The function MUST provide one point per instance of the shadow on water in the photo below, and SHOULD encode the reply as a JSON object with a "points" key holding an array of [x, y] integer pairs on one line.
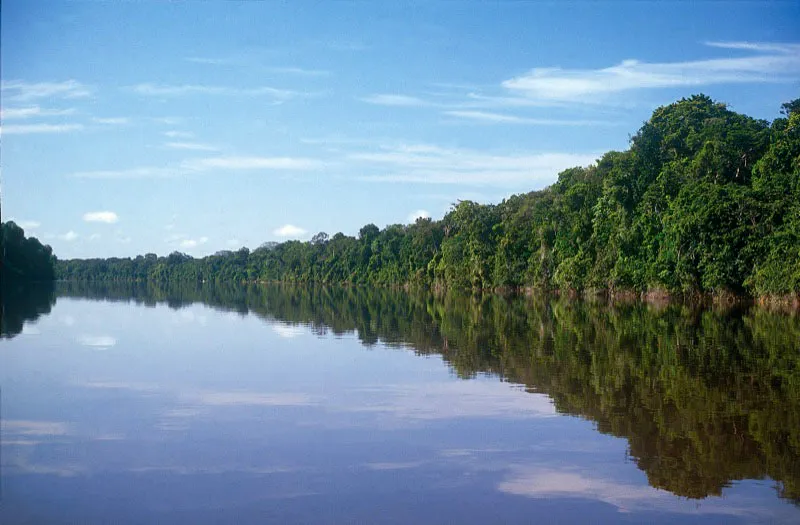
{"points": [[703, 397]]}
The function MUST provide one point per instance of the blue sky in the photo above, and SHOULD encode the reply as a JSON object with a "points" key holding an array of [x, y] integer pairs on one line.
{"points": [[133, 127]]}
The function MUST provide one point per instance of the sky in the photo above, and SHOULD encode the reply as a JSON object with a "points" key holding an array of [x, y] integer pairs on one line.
{"points": [[135, 127]]}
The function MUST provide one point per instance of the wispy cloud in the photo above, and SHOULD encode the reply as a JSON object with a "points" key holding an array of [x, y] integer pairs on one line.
{"points": [[69, 236], [35, 428], [237, 398], [173, 134], [344, 45], [27, 129], [33, 111], [768, 47], [396, 100], [20, 91], [191, 146], [289, 230], [108, 217], [540, 482], [432, 164], [111, 121], [453, 400], [300, 71], [251, 163], [500, 118], [250, 62], [169, 121], [146, 172], [191, 166], [767, 63], [288, 331], [550, 483], [481, 100], [193, 243], [212, 61], [167, 90], [97, 341]]}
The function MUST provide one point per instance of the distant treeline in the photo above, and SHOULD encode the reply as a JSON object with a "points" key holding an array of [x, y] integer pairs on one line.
{"points": [[23, 259], [705, 200]]}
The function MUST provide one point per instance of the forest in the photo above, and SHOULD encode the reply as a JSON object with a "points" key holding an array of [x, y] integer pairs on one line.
{"points": [[704, 201], [23, 259]]}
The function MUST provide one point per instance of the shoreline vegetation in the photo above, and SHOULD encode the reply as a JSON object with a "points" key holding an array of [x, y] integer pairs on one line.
{"points": [[704, 206]]}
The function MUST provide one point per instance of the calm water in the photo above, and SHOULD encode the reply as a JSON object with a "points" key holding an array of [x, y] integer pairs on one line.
{"points": [[335, 405]]}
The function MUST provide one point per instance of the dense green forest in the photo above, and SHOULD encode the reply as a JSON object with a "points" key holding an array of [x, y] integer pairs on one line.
{"points": [[703, 396], [705, 200], [23, 259]]}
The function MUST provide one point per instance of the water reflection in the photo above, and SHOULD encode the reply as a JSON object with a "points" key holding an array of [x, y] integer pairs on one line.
{"points": [[22, 303], [703, 397]]}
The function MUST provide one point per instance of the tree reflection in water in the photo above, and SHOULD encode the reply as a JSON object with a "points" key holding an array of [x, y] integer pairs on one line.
{"points": [[703, 396]]}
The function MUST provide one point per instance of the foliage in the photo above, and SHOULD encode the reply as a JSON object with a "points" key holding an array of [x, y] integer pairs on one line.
{"points": [[23, 259], [705, 200]]}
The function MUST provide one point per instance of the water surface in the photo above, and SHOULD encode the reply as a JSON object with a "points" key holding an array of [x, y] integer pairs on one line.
{"points": [[278, 404]]}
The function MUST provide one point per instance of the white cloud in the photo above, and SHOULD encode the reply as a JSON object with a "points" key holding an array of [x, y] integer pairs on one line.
{"points": [[499, 118], [111, 120], [69, 236], [108, 217], [769, 63], [147, 172], [301, 71], [166, 90], [435, 165], [479, 100], [32, 111], [35, 428], [388, 99], [173, 134], [757, 46], [289, 230], [193, 243], [453, 400], [211, 61], [204, 164], [288, 331], [249, 163], [548, 483], [393, 465], [27, 129], [170, 121], [192, 146], [237, 398], [551, 483], [419, 214], [18, 90], [95, 237], [97, 341], [244, 61]]}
